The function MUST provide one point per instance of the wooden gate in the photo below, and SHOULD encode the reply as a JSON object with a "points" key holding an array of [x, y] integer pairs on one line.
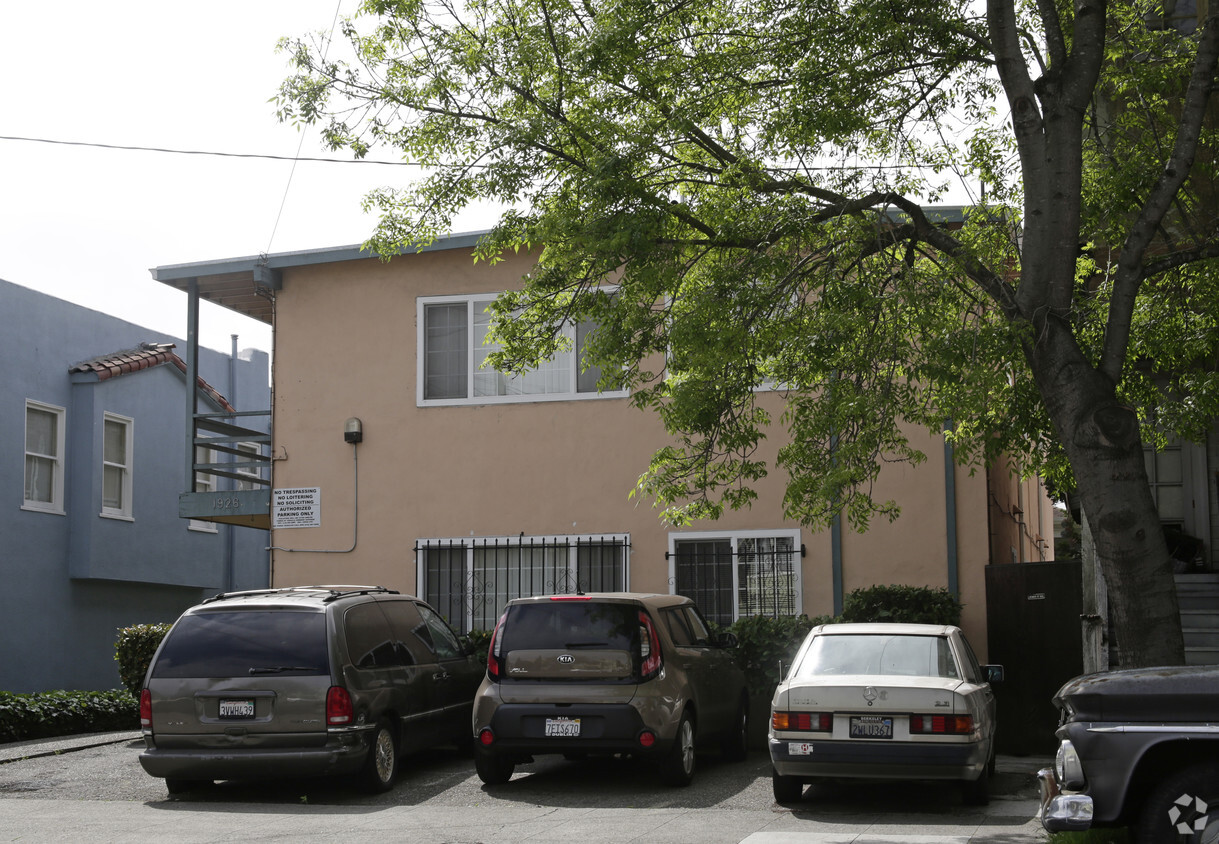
{"points": [[1033, 631]]}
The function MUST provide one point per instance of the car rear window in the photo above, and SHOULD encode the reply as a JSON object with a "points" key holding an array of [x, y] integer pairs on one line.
{"points": [[886, 655], [571, 624], [245, 643]]}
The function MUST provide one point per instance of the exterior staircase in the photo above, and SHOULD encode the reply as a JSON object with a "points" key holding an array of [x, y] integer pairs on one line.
{"points": [[1198, 597]]}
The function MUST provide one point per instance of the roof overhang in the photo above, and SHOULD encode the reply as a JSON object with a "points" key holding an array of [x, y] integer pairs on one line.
{"points": [[246, 285]]}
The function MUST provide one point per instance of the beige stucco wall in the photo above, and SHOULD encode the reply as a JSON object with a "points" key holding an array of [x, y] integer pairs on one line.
{"points": [[345, 345]]}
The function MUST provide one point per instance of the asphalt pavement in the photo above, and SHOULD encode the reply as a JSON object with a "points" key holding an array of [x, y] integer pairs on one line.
{"points": [[91, 788]]}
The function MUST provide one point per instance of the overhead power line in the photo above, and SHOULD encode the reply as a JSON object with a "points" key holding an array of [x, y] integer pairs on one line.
{"points": [[208, 152]]}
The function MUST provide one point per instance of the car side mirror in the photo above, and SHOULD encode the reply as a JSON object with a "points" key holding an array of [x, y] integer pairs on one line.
{"points": [[994, 673], [726, 640]]}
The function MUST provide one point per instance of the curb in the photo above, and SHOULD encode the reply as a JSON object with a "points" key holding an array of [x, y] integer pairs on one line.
{"points": [[18, 750]]}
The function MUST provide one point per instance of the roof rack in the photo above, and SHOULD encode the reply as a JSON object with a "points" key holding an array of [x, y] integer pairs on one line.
{"points": [[332, 592]]}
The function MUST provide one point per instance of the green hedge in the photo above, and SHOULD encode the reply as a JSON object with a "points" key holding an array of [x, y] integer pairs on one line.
{"points": [[909, 604], [134, 649], [59, 713]]}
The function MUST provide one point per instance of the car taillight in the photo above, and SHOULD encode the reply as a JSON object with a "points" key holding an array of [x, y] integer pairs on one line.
{"points": [[339, 711], [494, 659], [649, 648], [803, 722], [941, 725], [146, 709]]}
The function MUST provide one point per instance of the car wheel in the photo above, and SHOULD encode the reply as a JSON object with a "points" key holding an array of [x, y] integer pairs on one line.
{"points": [[1184, 807], [492, 768], [381, 766], [786, 789], [735, 744], [678, 766], [977, 792], [176, 785]]}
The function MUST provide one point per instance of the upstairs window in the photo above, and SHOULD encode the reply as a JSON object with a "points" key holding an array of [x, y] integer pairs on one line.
{"points": [[44, 448], [453, 351], [116, 466]]}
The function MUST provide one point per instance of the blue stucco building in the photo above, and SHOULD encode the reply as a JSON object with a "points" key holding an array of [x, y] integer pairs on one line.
{"points": [[94, 414]]}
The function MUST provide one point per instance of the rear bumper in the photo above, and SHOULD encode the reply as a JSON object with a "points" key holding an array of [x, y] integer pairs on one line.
{"points": [[520, 728], [889, 760], [342, 754], [1062, 811]]}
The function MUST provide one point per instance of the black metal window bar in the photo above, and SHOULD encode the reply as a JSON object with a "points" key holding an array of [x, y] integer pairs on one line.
{"points": [[469, 581], [765, 580]]}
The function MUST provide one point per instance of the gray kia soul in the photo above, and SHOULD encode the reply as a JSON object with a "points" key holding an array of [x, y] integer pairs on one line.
{"points": [[610, 673], [304, 681]]}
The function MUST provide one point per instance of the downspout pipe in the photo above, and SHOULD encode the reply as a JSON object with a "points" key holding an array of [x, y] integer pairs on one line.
{"points": [[950, 509]]}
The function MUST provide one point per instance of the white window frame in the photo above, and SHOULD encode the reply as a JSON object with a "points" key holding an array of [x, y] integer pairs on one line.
{"points": [[734, 537], [126, 469], [56, 504], [249, 452], [204, 482], [572, 393]]}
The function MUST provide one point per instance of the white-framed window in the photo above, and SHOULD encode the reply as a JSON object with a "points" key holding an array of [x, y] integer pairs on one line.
{"points": [[469, 580], [733, 575], [44, 458], [452, 350], [248, 454], [116, 465], [204, 482]]}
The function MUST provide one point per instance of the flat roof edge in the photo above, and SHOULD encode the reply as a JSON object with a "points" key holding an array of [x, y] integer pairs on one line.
{"points": [[302, 258]]}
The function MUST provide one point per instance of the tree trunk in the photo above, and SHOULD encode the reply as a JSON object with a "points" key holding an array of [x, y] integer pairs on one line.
{"points": [[1102, 442]]}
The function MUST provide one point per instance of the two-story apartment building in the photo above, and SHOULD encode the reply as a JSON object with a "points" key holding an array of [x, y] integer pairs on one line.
{"points": [[94, 417], [399, 460]]}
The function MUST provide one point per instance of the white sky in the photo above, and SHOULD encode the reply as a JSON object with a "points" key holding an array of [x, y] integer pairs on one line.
{"points": [[86, 224]]}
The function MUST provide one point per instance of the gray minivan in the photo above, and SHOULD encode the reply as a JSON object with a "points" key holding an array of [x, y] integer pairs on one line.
{"points": [[304, 681]]}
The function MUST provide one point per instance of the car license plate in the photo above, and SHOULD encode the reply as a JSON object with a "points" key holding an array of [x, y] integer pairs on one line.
{"points": [[871, 726], [562, 727], [799, 748], [237, 708]]}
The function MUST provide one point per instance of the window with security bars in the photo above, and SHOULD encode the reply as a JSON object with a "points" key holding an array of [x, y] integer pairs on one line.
{"points": [[469, 581], [738, 575]]}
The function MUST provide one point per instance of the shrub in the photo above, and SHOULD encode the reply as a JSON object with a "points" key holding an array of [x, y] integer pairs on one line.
{"points": [[765, 642], [59, 713], [134, 650], [913, 604], [480, 640]]}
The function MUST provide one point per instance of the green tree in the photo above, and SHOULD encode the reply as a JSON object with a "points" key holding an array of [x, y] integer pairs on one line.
{"points": [[741, 195]]}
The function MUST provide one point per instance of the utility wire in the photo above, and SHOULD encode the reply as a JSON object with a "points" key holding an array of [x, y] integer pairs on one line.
{"points": [[208, 152], [301, 143]]}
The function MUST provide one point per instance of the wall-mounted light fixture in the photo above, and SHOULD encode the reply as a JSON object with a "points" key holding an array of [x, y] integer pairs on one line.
{"points": [[353, 431]]}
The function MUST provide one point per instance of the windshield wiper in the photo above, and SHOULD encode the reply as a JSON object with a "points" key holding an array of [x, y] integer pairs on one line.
{"points": [[277, 669], [585, 644]]}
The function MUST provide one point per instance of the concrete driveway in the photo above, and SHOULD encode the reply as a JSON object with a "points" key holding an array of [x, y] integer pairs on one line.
{"points": [[92, 788]]}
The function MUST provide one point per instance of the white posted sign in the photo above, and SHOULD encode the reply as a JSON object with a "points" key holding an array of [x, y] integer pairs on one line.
{"points": [[300, 507]]}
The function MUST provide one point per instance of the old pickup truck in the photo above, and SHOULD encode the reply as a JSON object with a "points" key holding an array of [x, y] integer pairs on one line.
{"points": [[1137, 748]]}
